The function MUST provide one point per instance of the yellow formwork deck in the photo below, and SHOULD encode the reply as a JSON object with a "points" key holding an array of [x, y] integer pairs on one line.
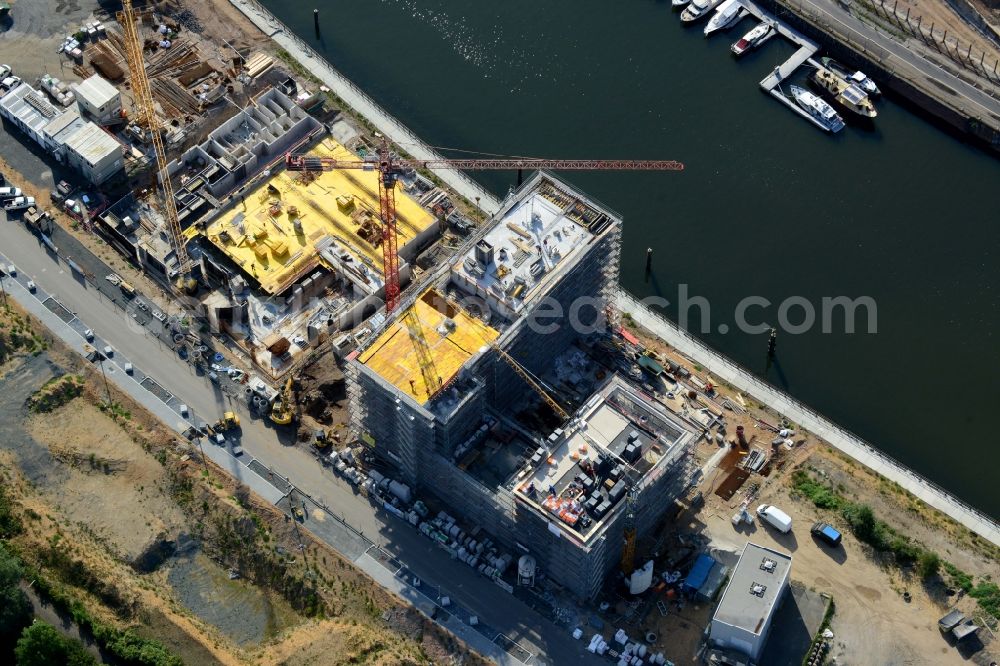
{"points": [[261, 237], [421, 335]]}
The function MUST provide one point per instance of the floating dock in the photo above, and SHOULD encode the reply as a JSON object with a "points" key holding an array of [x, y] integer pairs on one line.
{"points": [[807, 49]]}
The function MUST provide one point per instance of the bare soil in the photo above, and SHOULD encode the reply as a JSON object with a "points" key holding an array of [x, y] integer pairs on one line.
{"points": [[220, 20], [322, 400], [873, 624], [114, 488]]}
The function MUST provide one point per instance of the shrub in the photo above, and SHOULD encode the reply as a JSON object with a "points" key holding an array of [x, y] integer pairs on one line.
{"points": [[988, 596], [10, 522], [56, 393], [822, 496], [928, 564], [861, 518], [958, 577]]}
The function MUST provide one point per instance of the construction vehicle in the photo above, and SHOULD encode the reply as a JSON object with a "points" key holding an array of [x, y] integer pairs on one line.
{"points": [[282, 409], [229, 421], [391, 167], [322, 440]]}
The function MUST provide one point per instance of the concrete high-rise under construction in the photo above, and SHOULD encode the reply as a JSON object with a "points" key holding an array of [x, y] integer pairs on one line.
{"points": [[435, 392]]}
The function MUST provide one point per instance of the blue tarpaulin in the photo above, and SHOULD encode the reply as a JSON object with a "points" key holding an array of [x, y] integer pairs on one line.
{"points": [[699, 573]]}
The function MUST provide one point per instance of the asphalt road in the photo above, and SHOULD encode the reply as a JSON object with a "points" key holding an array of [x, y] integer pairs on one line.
{"points": [[979, 103], [275, 449]]}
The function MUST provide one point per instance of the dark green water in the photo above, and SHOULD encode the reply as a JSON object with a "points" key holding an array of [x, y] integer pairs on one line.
{"points": [[767, 205]]}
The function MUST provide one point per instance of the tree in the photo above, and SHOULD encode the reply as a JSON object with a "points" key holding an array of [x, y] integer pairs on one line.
{"points": [[41, 645], [15, 609]]}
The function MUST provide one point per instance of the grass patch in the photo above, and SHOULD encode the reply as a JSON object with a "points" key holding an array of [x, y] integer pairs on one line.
{"points": [[959, 578], [55, 393], [988, 595]]}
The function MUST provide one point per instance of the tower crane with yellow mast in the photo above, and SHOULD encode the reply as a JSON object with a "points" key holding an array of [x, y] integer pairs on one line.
{"points": [[143, 99]]}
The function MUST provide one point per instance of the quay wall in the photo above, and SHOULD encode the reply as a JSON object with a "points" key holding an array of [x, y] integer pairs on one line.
{"points": [[745, 381], [861, 53], [719, 365]]}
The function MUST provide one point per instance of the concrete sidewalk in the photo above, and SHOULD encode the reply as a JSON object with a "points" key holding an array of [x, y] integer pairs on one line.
{"points": [[784, 404]]}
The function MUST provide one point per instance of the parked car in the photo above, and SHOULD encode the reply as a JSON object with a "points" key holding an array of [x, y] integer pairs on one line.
{"points": [[19, 203], [89, 335], [9, 193], [10, 83], [826, 533], [775, 517], [5, 71], [31, 286]]}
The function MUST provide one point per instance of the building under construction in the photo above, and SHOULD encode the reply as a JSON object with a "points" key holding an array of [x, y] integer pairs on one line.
{"points": [[443, 391]]}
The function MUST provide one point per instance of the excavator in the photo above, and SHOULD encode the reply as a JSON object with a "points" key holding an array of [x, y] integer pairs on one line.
{"points": [[282, 409]]}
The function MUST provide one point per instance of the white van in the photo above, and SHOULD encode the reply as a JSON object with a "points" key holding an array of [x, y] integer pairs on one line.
{"points": [[774, 516], [9, 192]]}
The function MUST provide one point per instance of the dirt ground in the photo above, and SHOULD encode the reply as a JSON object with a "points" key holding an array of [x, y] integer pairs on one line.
{"points": [[322, 397], [219, 19], [138, 470], [943, 17], [37, 29], [873, 624], [114, 487]]}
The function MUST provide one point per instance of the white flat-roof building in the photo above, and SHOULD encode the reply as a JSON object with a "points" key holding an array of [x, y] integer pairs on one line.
{"points": [[59, 130], [30, 111], [94, 153], [98, 99], [71, 139], [743, 618]]}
